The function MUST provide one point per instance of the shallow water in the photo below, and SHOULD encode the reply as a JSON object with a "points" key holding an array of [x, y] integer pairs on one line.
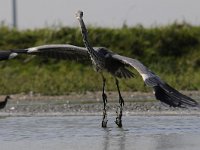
{"points": [[85, 133]]}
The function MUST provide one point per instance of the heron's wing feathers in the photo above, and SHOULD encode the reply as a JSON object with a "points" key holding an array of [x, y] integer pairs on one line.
{"points": [[4, 55], [172, 97], [61, 51], [163, 91]]}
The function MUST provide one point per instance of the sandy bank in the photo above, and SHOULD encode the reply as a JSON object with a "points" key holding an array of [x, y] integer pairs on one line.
{"points": [[90, 103]]}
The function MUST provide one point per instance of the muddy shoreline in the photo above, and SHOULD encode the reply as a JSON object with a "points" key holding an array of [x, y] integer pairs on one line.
{"points": [[90, 103]]}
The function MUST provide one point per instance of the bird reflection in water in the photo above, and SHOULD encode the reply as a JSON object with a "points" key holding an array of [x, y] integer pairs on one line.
{"points": [[111, 137]]}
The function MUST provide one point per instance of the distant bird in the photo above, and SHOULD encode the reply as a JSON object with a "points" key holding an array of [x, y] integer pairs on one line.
{"points": [[9, 54], [3, 104], [103, 59]]}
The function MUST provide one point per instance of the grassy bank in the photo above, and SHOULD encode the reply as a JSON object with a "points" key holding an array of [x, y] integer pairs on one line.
{"points": [[172, 52]]}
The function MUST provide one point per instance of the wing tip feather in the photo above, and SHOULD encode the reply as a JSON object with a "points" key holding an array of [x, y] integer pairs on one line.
{"points": [[174, 98]]}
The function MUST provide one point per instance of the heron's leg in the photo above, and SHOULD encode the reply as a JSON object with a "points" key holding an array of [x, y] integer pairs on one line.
{"points": [[120, 108], [104, 97]]}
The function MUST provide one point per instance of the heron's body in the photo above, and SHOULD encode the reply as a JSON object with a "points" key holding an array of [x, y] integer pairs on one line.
{"points": [[109, 64]]}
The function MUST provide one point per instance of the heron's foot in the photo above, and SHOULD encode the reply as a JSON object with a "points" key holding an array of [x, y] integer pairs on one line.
{"points": [[118, 120], [105, 120], [104, 124]]}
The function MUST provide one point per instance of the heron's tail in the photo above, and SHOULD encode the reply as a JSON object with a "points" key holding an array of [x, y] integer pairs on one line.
{"points": [[172, 97]]}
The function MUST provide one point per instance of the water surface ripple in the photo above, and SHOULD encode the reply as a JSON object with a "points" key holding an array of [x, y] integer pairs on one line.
{"points": [[85, 133]]}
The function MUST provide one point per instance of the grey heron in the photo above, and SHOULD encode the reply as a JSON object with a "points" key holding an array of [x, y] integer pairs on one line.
{"points": [[117, 65], [103, 59]]}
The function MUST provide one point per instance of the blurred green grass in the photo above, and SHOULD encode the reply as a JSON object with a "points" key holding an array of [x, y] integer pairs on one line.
{"points": [[172, 52]]}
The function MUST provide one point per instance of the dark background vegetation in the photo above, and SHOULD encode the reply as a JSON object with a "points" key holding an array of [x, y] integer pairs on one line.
{"points": [[172, 52]]}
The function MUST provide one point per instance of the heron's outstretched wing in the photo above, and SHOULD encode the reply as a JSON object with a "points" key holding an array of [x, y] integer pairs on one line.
{"points": [[163, 91], [60, 51], [4, 55], [9, 54]]}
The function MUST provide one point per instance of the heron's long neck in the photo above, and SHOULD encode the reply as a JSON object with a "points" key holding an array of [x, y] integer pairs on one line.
{"points": [[91, 51]]}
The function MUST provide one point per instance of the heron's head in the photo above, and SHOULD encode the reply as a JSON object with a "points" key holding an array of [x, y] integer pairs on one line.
{"points": [[79, 14]]}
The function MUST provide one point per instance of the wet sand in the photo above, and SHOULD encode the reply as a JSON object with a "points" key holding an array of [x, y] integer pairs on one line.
{"points": [[90, 103]]}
